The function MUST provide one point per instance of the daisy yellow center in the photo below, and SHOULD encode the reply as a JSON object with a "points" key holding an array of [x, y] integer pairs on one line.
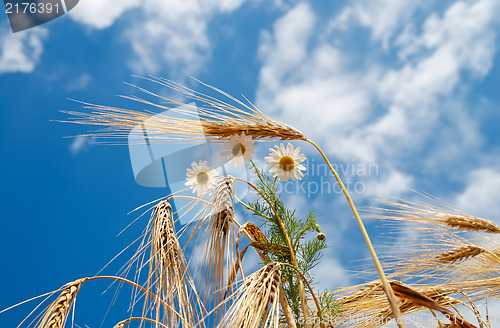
{"points": [[287, 163], [238, 149], [202, 177]]}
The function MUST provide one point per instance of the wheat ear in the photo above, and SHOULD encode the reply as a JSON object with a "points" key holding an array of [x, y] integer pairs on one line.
{"points": [[218, 255], [57, 312], [471, 223], [168, 271], [258, 303], [255, 236], [438, 217], [214, 119], [459, 254]]}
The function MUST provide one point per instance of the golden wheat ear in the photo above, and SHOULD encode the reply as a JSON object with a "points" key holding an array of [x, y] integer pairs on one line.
{"points": [[219, 250], [445, 257], [472, 223], [437, 217], [212, 119], [169, 278], [459, 254], [257, 303], [56, 314]]}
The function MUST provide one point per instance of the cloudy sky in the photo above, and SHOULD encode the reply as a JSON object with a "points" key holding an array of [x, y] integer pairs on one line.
{"points": [[399, 93]]}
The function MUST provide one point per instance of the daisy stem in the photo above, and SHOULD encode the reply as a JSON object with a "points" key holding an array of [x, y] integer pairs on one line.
{"points": [[269, 188], [385, 283], [251, 209], [300, 285]]}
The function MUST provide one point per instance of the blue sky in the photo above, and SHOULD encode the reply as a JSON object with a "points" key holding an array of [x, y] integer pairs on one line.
{"points": [[407, 87]]}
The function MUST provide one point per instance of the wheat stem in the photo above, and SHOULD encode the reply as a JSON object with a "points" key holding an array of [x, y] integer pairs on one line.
{"points": [[493, 254], [387, 288], [122, 323]]}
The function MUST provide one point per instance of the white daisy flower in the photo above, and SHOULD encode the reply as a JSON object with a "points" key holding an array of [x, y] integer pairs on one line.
{"points": [[201, 178], [240, 149], [285, 162]]}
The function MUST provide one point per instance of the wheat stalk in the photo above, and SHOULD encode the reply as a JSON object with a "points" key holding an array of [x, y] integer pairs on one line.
{"points": [[405, 292], [391, 298], [123, 323]]}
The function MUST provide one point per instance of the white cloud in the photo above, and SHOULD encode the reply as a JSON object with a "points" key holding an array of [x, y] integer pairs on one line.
{"points": [[173, 35], [392, 184], [383, 17], [480, 197], [79, 83], [309, 88], [20, 52], [462, 40], [101, 14], [287, 47], [79, 144], [329, 274], [381, 110], [164, 35]]}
